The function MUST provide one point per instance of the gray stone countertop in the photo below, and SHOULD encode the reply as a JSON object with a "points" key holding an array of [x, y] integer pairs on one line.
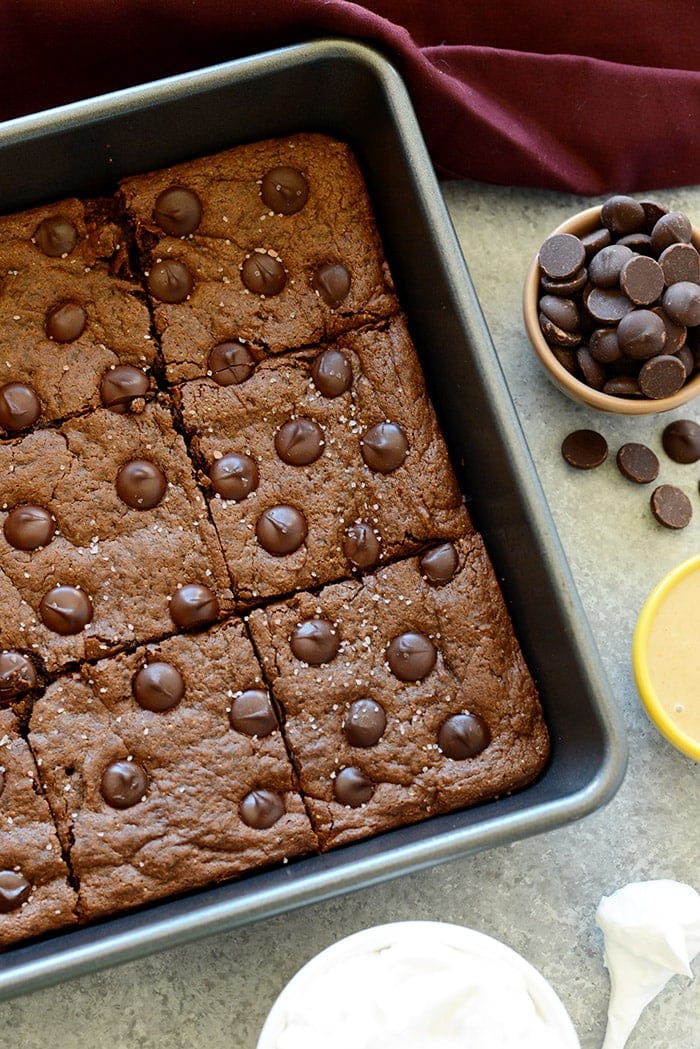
{"points": [[539, 895]]}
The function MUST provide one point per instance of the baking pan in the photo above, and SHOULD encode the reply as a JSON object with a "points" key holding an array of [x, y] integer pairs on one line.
{"points": [[350, 91]]}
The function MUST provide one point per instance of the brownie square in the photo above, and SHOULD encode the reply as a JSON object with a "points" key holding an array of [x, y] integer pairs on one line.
{"points": [[156, 799], [404, 695], [364, 472], [66, 318], [66, 525], [327, 271], [35, 892]]}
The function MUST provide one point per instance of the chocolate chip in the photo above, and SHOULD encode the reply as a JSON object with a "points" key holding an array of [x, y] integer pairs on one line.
{"points": [[605, 268], [592, 371], [661, 376], [682, 302], [19, 406], [562, 312], [364, 723], [603, 345], [121, 386], [193, 605], [123, 784], [141, 484], [653, 210], [584, 449], [439, 564], [607, 305], [14, 891], [261, 809], [299, 441], [66, 610], [331, 281], [361, 544], [351, 787], [680, 262], [252, 713], [596, 241], [637, 463], [642, 280], [65, 322], [675, 333], [384, 447], [230, 363], [641, 334], [463, 736], [284, 190], [681, 441], [170, 281], [622, 214], [56, 236], [158, 687], [17, 675], [671, 507], [315, 641], [411, 656], [332, 373], [565, 287], [673, 227], [234, 476], [622, 386], [556, 336], [561, 256], [263, 274], [178, 211], [281, 529], [29, 527]]}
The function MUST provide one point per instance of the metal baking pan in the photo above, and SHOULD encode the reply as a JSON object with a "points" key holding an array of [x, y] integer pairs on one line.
{"points": [[347, 90]]}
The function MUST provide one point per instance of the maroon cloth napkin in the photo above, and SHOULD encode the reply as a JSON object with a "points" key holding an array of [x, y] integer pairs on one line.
{"points": [[591, 97]]}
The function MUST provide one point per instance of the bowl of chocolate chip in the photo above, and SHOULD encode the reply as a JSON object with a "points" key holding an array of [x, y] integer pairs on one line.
{"points": [[612, 307]]}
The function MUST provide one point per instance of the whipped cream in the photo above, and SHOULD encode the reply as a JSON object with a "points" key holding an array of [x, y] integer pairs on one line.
{"points": [[418, 991], [652, 932]]}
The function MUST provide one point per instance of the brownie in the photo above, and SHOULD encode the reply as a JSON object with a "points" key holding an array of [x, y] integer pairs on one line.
{"points": [[67, 311], [278, 262], [365, 470], [153, 788], [35, 891], [85, 568], [404, 695]]}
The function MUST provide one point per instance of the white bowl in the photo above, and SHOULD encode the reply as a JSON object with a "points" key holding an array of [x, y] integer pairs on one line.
{"points": [[436, 970]]}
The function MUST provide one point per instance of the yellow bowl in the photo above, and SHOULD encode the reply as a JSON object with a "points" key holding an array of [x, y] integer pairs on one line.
{"points": [[580, 224], [666, 657]]}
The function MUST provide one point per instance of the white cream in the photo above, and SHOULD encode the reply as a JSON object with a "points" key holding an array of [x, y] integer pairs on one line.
{"points": [[652, 932], [419, 991]]}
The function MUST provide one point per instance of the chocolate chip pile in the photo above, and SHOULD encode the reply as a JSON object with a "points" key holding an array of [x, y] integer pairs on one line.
{"points": [[620, 306]]}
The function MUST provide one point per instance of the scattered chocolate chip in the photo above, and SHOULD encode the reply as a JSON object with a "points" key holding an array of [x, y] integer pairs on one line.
{"points": [[364, 723], [637, 463], [66, 610], [284, 190], [671, 507], [439, 564], [315, 641], [170, 281], [261, 809], [230, 363], [384, 447], [299, 441], [332, 373], [361, 545], [123, 784], [331, 281], [561, 256], [141, 484], [14, 890], [351, 787], [463, 736], [252, 713], [121, 386], [584, 449], [193, 605], [178, 211], [234, 476], [29, 527], [411, 656], [17, 675], [65, 322], [56, 236], [281, 529], [662, 376], [681, 441], [158, 687], [19, 406], [263, 274]]}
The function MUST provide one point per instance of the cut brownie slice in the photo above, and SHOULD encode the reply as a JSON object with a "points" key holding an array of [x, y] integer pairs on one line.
{"points": [[404, 695], [35, 892], [273, 243], [166, 770], [323, 463], [66, 317], [102, 528]]}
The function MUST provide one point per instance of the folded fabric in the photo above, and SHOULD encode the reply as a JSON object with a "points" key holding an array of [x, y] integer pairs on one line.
{"points": [[587, 97]]}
